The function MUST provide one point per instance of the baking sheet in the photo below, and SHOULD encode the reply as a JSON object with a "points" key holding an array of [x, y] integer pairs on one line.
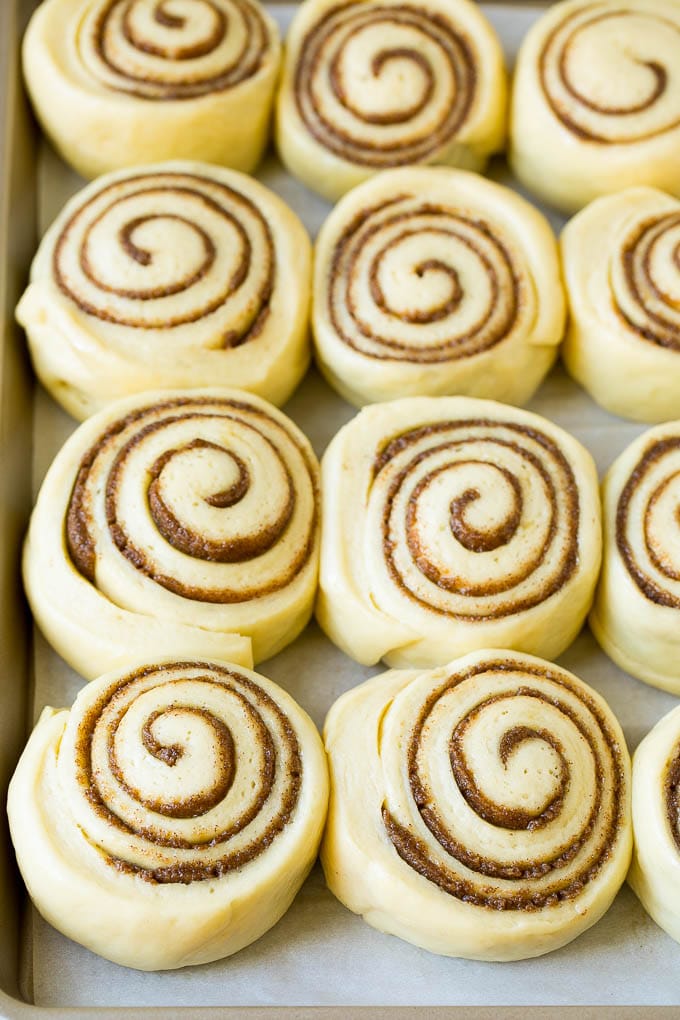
{"points": [[320, 953]]}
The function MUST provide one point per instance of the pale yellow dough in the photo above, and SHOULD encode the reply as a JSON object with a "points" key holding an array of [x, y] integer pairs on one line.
{"points": [[170, 752], [172, 275], [655, 871], [596, 100], [451, 524], [449, 788], [623, 281], [120, 82], [435, 281], [370, 84], [176, 523], [636, 612]]}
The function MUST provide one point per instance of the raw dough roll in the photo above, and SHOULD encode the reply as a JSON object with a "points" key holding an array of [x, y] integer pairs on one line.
{"points": [[170, 817], [596, 100], [120, 82], [621, 260], [636, 613], [378, 83], [479, 810], [176, 524], [175, 275], [435, 281], [452, 524], [655, 872]]}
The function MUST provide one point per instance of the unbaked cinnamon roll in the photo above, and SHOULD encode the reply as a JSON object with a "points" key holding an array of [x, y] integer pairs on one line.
{"points": [[176, 524], [121, 82], [479, 810], [174, 275], [655, 871], [434, 281], [452, 524], [636, 613], [596, 100], [379, 83], [170, 817], [621, 258]]}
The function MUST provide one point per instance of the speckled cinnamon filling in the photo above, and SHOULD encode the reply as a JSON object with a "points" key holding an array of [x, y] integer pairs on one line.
{"points": [[606, 814]]}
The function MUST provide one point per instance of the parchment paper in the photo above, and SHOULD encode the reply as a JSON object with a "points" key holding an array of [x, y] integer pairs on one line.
{"points": [[320, 953]]}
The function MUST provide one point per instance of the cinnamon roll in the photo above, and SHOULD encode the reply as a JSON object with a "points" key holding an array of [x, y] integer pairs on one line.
{"points": [[596, 100], [452, 524], [170, 817], [479, 810], [380, 83], [115, 83], [178, 524], [436, 281], [621, 260], [655, 871], [636, 613], [174, 275]]}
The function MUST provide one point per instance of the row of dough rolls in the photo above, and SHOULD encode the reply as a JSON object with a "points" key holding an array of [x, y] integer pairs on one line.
{"points": [[481, 809], [427, 281], [364, 86], [189, 521], [495, 499]]}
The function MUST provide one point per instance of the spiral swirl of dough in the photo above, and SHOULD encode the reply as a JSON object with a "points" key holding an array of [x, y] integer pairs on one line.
{"points": [[655, 871], [153, 79], [622, 267], [440, 60], [433, 280], [188, 518], [637, 608], [602, 80], [573, 84], [502, 785], [386, 83], [174, 49], [190, 775], [174, 275], [463, 524]]}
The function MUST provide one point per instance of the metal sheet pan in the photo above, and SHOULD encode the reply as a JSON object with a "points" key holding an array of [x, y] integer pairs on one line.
{"points": [[319, 954]]}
